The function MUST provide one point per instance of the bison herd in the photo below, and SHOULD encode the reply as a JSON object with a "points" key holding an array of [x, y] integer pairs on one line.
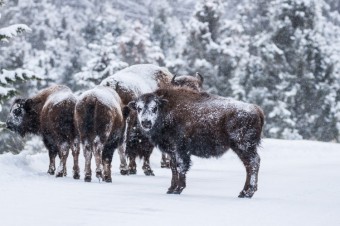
{"points": [[136, 109]]}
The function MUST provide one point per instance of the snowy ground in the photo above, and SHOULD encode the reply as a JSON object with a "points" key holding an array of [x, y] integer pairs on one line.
{"points": [[299, 184]]}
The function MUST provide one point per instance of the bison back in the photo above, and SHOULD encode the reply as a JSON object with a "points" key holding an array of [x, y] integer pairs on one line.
{"points": [[57, 120]]}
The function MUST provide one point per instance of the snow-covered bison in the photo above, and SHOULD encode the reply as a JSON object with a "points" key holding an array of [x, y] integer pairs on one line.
{"points": [[130, 83], [49, 114], [181, 123], [100, 119]]}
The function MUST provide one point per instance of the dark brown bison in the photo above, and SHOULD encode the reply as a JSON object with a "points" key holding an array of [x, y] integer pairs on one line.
{"points": [[100, 121], [181, 123], [49, 114], [129, 84]]}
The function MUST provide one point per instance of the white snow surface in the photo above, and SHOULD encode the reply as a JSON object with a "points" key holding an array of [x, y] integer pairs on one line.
{"points": [[139, 78], [298, 185]]}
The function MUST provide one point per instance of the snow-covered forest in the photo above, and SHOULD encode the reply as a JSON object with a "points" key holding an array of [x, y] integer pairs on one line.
{"points": [[280, 54]]}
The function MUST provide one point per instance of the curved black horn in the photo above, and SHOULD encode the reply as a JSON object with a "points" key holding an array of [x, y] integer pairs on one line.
{"points": [[173, 80], [199, 76]]}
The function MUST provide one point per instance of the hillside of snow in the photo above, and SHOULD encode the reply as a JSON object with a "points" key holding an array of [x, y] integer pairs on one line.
{"points": [[299, 184]]}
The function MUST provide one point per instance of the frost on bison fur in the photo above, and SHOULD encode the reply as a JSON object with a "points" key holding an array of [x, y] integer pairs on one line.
{"points": [[49, 114], [182, 123], [100, 121], [130, 83]]}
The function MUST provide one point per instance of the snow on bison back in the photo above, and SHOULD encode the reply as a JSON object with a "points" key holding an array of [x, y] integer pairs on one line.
{"points": [[182, 123]]}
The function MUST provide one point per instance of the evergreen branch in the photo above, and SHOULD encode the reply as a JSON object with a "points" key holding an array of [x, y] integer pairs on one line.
{"points": [[19, 75], [12, 31]]}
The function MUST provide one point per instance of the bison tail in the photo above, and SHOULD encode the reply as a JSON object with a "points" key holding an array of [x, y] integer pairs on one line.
{"points": [[85, 115]]}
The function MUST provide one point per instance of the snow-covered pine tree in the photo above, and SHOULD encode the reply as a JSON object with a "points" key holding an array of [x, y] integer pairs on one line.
{"points": [[136, 47], [201, 48], [167, 33], [292, 70], [207, 47], [104, 62]]}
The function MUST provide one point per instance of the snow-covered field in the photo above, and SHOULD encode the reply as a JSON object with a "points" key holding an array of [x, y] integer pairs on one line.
{"points": [[299, 184]]}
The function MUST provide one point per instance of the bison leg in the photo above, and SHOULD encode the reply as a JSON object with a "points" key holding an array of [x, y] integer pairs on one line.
{"points": [[181, 183], [132, 164], [124, 169], [183, 164], [75, 153], [63, 154], [52, 155], [174, 179], [98, 158], [107, 160], [88, 157], [165, 161], [146, 165], [251, 161]]}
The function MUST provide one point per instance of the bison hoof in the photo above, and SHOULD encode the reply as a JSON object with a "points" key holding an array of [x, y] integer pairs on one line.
{"points": [[149, 173], [170, 191], [165, 165], [60, 174], [99, 174], [87, 179], [108, 179], [132, 171], [76, 175], [51, 172], [246, 194], [178, 190], [124, 172]]}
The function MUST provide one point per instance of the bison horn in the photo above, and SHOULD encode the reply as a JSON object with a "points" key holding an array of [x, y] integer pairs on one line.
{"points": [[200, 77], [173, 80]]}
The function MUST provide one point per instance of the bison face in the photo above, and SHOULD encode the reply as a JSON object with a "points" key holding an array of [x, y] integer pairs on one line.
{"points": [[17, 115], [147, 107]]}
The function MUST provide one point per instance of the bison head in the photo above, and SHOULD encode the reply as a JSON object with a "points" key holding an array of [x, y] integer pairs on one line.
{"points": [[147, 107], [20, 114], [191, 82]]}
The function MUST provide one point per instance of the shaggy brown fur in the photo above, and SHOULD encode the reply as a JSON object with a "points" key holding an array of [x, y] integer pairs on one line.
{"points": [[137, 144], [101, 126], [182, 123], [49, 114]]}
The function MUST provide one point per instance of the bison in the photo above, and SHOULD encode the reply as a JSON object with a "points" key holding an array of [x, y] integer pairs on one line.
{"points": [[100, 120], [129, 84], [49, 114], [181, 123]]}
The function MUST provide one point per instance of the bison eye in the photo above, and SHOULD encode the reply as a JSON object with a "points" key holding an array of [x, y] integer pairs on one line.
{"points": [[139, 109], [154, 110], [17, 111]]}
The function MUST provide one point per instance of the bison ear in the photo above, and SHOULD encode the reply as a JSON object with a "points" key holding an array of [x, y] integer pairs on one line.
{"points": [[132, 105], [126, 112], [28, 105]]}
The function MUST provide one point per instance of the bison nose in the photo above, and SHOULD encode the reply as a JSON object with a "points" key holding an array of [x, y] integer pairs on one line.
{"points": [[146, 124]]}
